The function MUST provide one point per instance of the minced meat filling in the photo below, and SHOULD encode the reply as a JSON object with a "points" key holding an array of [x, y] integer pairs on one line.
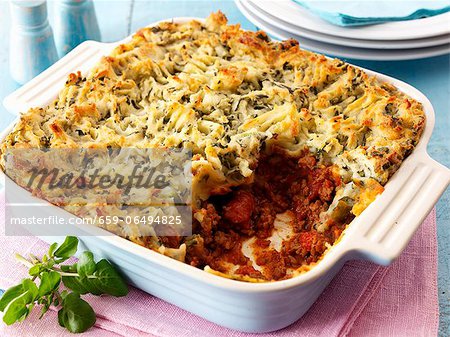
{"points": [[281, 184]]}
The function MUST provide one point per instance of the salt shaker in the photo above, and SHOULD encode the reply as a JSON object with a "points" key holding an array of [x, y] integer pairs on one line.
{"points": [[32, 47], [75, 22]]}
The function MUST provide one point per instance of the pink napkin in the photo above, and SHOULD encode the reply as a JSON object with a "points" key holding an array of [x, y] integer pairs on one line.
{"points": [[363, 300]]}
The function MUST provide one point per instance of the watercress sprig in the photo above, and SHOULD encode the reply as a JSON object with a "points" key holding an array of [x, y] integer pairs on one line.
{"points": [[83, 277]]}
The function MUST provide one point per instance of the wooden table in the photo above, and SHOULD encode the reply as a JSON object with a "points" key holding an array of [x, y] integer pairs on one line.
{"points": [[118, 19]]}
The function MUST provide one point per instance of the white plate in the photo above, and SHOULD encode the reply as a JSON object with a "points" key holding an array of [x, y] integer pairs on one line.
{"points": [[360, 43], [343, 51], [400, 30]]}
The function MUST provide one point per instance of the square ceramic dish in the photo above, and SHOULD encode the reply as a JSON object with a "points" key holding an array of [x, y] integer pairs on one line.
{"points": [[379, 234]]}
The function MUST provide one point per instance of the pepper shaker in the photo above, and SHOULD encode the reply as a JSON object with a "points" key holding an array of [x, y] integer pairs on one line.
{"points": [[75, 22], [32, 47]]}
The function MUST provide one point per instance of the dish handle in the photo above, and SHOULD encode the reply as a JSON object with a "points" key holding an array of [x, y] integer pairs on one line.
{"points": [[33, 93], [384, 238]]}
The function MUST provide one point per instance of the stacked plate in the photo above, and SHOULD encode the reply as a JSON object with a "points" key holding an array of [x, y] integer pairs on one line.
{"points": [[401, 40]]}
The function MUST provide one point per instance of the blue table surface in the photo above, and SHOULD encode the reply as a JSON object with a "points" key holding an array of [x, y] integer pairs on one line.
{"points": [[431, 76]]}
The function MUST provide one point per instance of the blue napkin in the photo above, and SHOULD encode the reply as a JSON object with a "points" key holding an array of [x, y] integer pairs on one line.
{"points": [[358, 13]]}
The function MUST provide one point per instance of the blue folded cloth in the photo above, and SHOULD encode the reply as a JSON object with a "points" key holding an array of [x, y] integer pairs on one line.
{"points": [[358, 13]]}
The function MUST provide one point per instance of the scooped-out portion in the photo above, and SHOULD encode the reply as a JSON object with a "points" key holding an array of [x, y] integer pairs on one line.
{"points": [[269, 228]]}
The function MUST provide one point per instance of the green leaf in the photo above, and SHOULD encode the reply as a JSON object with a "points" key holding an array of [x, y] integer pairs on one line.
{"points": [[61, 317], [56, 302], [64, 293], [68, 248], [92, 286], [109, 280], [31, 288], [82, 285], [47, 302], [44, 309], [86, 264], [10, 294], [75, 284], [35, 270], [69, 268], [104, 280], [49, 282], [50, 263], [18, 309], [76, 315], [25, 315], [79, 284], [52, 248]]}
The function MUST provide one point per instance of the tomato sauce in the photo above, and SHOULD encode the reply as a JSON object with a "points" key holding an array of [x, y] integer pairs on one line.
{"points": [[281, 183]]}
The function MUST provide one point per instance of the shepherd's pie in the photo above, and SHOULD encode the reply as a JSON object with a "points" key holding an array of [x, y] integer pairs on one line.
{"points": [[277, 134]]}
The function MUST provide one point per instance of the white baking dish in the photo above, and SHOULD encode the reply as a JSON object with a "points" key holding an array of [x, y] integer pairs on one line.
{"points": [[379, 234]]}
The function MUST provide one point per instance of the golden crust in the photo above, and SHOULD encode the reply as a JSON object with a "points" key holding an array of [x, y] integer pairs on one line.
{"points": [[228, 94]]}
